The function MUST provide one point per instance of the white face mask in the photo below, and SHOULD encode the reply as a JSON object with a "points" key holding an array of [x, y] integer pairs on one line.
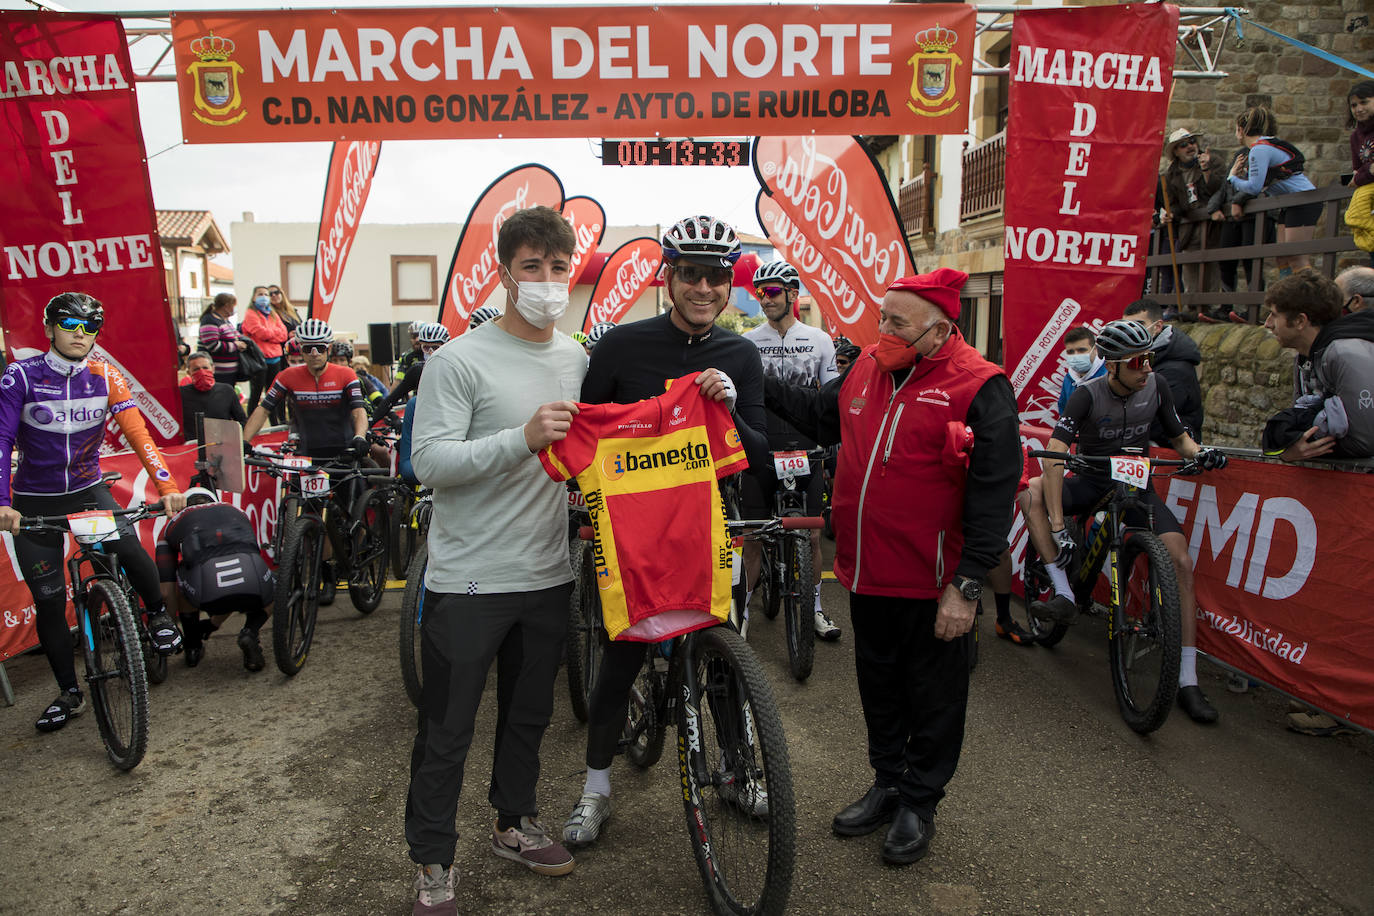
{"points": [[540, 303]]}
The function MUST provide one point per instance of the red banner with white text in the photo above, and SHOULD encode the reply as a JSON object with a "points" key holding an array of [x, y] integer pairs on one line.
{"points": [[836, 197], [1089, 96], [78, 212], [627, 273], [472, 275], [828, 289], [588, 221], [351, 167], [259, 502], [1282, 572]]}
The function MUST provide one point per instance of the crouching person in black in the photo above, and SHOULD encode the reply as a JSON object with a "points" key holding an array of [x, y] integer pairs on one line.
{"points": [[208, 560]]}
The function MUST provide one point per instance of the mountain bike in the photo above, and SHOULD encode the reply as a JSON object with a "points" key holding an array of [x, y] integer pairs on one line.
{"points": [[786, 573], [313, 511], [116, 674], [1143, 622], [413, 598]]}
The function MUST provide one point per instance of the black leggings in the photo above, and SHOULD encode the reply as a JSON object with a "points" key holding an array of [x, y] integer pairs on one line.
{"points": [[40, 556], [620, 664]]}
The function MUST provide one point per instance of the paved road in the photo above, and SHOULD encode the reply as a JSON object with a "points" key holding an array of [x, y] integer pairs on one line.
{"points": [[263, 795]]}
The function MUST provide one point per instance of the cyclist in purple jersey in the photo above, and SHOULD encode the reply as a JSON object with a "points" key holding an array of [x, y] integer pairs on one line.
{"points": [[53, 410]]}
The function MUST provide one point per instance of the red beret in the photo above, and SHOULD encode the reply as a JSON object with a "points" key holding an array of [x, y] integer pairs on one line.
{"points": [[941, 286]]}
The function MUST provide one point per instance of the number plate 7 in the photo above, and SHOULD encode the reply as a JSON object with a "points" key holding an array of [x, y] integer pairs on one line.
{"points": [[1132, 471]]}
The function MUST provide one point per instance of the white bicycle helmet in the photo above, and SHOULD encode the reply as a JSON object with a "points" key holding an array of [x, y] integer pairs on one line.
{"points": [[314, 331], [703, 239], [199, 496], [433, 332], [415, 326], [777, 272], [482, 315], [598, 331]]}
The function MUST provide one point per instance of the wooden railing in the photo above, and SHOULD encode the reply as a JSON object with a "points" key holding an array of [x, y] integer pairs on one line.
{"points": [[916, 203], [984, 177], [1331, 240]]}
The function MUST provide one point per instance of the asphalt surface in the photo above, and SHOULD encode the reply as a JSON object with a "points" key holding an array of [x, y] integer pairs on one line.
{"points": [[266, 795]]}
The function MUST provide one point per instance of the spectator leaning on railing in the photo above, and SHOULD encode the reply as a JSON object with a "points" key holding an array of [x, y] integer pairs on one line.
{"points": [[1333, 412]]}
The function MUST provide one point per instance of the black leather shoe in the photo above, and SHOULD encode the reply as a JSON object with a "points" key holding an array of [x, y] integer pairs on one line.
{"points": [[194, 654], [868, 813], [1194, 702], [908, 839]]}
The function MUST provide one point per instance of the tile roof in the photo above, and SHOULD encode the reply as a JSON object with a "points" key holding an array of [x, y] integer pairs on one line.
{"points": [[191, 227]]}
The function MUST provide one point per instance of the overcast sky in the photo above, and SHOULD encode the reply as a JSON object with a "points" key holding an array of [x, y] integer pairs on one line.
{"points": [[416, 181]]}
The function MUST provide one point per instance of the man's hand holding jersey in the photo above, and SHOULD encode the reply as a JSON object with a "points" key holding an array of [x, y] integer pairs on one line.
{"points": [[549, 424], [716, 386]]}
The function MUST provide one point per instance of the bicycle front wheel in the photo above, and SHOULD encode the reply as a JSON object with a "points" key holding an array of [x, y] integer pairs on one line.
{"points": [[412, 616], [402, 540], [367, 568], [297, 599], [116, 675], [736, 777], [770, 578], [798, 600], [1145, 635], [585, 630]]}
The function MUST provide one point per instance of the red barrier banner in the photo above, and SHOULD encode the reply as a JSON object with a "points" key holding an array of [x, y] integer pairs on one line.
{"points": [[831, 293], [259, 502], [1282, 573], [78, 215], [472, 274], [835, 195], [588, 220], [572, 71], [1089, 96], [351, 167], [627, 273]]}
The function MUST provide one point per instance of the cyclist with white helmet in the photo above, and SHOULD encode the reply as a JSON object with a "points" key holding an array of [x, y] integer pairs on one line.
{"points": [[482, 315], [209, 560], [413, 355], [1105, 416], [796, 354], [432, 336], [630, 363], [326, 399], [597, 332]]}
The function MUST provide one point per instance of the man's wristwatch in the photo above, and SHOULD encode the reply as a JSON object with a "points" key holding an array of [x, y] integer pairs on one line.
{"points": [[971, 589]]}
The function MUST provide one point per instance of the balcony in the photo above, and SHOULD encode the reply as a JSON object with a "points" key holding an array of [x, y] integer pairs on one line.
{"points": [[187, 309], [983, 184], [916, 203]]}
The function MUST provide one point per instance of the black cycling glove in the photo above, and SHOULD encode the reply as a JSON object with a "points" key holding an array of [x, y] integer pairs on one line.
{"points": [[1212, 459]]}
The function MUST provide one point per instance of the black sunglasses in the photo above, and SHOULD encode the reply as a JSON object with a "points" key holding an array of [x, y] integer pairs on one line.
{"points": [[314, 348], [692, 274]]}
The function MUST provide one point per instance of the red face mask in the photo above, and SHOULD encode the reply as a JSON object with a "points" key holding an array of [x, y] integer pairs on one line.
{"points": [[894, 353], [203, 379]]}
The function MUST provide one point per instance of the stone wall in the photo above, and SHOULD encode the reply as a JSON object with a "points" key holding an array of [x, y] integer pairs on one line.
{"points": [[1246, 378], [1307, 94]]}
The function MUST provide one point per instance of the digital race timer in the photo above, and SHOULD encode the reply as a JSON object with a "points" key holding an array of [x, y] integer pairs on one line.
{"points": [[674, 152]]}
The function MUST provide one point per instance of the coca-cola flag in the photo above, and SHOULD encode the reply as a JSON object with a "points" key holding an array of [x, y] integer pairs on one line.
{"points": [[831, 293], [78, 212], [588, 221], [472, 274], [627, 273], [835, 195], [351, 167], [1092, 122]]}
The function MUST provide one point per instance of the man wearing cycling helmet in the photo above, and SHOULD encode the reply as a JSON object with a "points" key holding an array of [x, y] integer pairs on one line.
{"points": [[413, 355], [597, 332], [846, 351], [1105, 416], [326, 398], [635, 361], [481, 315], [53, 410], [432, 336], [796, 354], [208, 560]]}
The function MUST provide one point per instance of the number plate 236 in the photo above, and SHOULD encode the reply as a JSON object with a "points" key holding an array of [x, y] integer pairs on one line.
{"points": [[1131, 470]]}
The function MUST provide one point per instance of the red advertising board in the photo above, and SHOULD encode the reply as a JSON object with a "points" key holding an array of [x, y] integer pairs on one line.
{"points": [[351, 167], [573, 71], [588, 221], [472, 276], [78, 215], [1089, 95], [626, 274]]}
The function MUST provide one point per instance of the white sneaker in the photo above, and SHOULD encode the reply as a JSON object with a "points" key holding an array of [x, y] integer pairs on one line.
{"points": [[583, 826], [746, 795], [825, 627], [434, 892]]}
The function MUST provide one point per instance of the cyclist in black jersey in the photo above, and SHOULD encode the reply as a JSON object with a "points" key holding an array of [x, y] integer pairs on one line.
{"points": [[433, 335], [635, 361], [1106, 416]]}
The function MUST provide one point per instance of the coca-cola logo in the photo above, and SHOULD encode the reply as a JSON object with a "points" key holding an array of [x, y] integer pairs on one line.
{"points": [[470, 287], [588, 235], [331, 253], [821, 277], [813, 188], [633, 270]]}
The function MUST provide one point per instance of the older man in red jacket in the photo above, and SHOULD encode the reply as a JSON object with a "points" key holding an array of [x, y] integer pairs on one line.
{"points": [[921, 508]]}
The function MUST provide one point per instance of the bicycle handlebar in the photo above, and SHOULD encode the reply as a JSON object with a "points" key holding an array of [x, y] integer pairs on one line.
{"points": [[145, 510]]}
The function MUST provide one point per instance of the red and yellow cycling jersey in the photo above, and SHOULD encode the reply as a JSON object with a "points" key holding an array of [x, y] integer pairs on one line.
{"points": [[648, 471]]}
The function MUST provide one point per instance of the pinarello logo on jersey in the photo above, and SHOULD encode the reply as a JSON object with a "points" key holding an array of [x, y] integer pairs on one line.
{"points": [[732, 437], [690, 457]]}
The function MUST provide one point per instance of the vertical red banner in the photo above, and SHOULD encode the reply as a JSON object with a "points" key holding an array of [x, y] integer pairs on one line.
{"points": [[78, 213], [834, 194], [472, 274], [624, 277], [588, 220], [351, 167], [831, 293], [1089, 97]]}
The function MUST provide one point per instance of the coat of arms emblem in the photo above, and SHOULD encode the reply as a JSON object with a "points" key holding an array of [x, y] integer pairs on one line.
{"points": [[216, 81], [932, 72]]}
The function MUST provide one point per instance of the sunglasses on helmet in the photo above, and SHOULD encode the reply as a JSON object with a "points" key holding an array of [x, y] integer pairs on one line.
{"points": [[88, 326], [315, 348], [769, 291], [692, 274], [1138, 363]]}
